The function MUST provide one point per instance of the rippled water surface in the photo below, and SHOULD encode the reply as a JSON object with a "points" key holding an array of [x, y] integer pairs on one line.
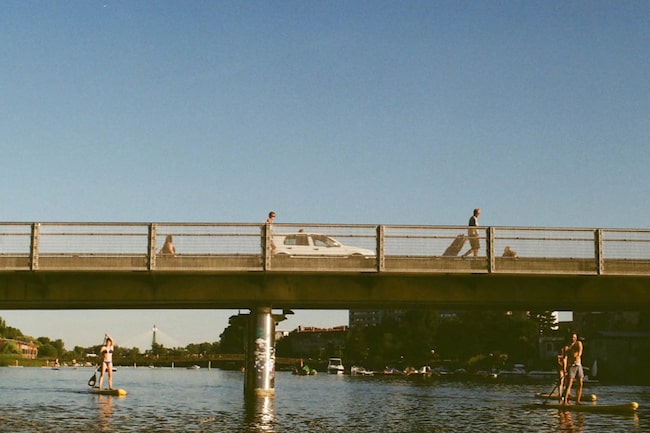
{"points": [[180, 400]]}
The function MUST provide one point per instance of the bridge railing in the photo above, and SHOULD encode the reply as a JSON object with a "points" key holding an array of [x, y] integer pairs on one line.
{"points": [[221, 247]]}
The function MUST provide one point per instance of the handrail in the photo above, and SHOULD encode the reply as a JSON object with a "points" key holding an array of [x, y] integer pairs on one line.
{"points": [[224, 247]]}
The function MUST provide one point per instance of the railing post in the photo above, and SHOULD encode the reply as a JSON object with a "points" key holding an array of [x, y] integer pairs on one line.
{"points": [[267, 243], [33, 248], [151, 262], [489, 241], [381, 263], [598, 245]]}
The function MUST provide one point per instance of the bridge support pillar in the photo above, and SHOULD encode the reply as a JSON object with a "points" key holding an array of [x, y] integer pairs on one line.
{"points": [[259, 378]]}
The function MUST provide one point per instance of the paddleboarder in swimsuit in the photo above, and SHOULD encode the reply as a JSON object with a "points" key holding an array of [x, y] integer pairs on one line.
{"points": [[561, 368], [107, 361]]}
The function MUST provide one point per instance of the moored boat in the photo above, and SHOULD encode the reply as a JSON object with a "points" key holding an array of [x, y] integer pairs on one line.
{"points": [[360, 371], [335, 366], [303, 370], [517, 372]]}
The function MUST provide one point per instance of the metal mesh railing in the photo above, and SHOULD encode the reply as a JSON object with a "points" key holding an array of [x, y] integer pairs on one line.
{"points": [[15, 239], [97, 239], [545, 242], [211, 239], [386, 248], [626, 244]]}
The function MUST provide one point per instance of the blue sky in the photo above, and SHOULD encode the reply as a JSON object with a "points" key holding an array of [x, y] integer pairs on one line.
{"points": [[370, 112]]}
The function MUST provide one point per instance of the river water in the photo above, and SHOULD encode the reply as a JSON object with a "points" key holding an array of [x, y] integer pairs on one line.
{"points": [[211, 400]]}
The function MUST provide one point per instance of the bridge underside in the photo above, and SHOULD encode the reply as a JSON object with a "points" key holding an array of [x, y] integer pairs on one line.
{"points": [[183, 290]]}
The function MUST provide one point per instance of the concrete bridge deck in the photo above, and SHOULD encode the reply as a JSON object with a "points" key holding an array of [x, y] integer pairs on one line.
{"points": [[118, 265]]}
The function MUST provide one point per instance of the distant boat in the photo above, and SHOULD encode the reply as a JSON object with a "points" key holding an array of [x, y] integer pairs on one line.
{"points": [[194, 367], [360, 371], [335, 366], [543, 375], [305, 370]]}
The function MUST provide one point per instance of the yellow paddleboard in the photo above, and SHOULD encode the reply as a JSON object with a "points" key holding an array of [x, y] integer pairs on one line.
{"points": [[630, 407], [117, 391]]}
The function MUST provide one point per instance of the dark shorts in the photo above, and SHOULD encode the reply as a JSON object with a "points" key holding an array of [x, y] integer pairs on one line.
{"points": [[576, 370]]}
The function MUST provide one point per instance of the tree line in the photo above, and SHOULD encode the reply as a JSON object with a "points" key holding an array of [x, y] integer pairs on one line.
{"points": [[475, 339]]}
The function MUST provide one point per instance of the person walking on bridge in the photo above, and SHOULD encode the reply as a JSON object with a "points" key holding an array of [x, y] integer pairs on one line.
{"points": [[472, 234], [269, 228]]}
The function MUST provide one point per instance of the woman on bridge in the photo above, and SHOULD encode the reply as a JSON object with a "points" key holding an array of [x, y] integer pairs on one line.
{"points": [[168, 247]]}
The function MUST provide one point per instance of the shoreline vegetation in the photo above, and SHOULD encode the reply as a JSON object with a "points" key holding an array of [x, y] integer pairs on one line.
{"points": [[478, 342], [221, 361]]}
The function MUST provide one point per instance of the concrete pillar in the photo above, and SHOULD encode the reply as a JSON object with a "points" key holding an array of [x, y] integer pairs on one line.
{"points": [[259, 377], [260, 413]]}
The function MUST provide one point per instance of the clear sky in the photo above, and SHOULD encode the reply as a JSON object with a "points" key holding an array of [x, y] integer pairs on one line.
{"points": [[370, 112]]}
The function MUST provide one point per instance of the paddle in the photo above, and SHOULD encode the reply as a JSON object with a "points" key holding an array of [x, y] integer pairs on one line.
{"points": [[93, 380], [551, 393]]}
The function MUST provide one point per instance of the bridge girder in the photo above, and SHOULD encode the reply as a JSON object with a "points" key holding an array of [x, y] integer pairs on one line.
{"points": [[182, 290]]}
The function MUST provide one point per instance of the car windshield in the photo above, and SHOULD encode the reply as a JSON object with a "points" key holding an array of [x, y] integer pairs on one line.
{"points": [[324, 241], [296, 240]]}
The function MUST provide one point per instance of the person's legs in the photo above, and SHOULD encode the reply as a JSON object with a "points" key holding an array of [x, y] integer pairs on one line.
{"points": [[567, 393], [101, 376], [560, 389], [572, 375], [110, 375]]}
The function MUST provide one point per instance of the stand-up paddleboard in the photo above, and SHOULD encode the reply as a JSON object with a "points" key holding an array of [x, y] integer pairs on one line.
{"points": [[556, 396], [622, 408], [117, 391]]}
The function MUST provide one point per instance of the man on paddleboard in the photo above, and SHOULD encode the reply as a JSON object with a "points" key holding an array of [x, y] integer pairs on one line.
{"points": [[574, 361], [107, 361]]}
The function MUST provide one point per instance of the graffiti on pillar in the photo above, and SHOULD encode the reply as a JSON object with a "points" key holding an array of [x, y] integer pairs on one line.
{"points": [[264, 359]]}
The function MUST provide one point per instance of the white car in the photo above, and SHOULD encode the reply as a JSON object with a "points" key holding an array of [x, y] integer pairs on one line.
{"points": [[314, 244]]}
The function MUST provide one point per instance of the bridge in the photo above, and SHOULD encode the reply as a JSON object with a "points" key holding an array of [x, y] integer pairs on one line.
{"points": [[262, 267]]}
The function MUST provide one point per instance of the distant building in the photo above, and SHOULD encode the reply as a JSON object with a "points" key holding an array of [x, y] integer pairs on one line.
{"points": [[311, 342], [368, 318], [28, 350]]}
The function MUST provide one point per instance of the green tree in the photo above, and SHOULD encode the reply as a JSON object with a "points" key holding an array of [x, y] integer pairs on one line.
{"points": [[47, 350], [232, 339], [10, 348], [546, 322], [46, 343], [418, 332], [9, 332]]}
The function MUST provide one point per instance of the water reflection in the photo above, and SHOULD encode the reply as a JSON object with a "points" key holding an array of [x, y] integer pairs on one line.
{"points": [[571, 422], [259, 413], [104, 412]]}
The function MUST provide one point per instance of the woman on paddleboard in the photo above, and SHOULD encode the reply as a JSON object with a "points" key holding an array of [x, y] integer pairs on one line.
{"points": [[107, 361], [561, 368]]}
